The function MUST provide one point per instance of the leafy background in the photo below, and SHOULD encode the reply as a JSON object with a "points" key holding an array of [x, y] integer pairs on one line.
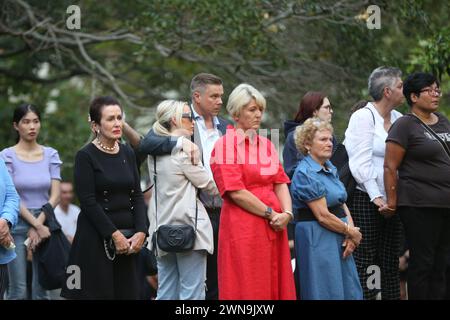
{"points": [[145, 51]]}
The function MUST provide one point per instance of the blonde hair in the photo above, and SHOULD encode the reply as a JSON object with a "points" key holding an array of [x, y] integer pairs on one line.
{"points": [[305, 133], [165, 111], [241, 96]]}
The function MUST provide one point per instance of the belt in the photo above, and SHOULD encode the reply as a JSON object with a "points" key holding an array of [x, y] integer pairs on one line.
{"points": [[305, 214]]}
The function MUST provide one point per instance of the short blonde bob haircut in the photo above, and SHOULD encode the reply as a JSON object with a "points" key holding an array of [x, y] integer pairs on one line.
{"points": [[165, 111], [304, 134], [241, 96]]}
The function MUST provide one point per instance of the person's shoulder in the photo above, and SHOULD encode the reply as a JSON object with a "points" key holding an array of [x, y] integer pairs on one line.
{"points": [[7, 153], [442, 118], [51, 154], [88, 148], [406, 119], [126, 148], [396, 113], [49, 150], [290, 138], [85, 151], [228, 136], [365, 113], [305, 168]]}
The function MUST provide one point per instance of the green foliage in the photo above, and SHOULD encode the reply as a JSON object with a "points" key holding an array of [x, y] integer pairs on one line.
{"points": [[321, 45], [433, 54]]}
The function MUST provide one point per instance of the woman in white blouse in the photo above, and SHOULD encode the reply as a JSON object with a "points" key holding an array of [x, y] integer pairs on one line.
{"points": [[365, 143]]}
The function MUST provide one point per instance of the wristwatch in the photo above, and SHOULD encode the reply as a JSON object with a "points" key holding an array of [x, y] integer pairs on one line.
{"points": [[268, 212]]}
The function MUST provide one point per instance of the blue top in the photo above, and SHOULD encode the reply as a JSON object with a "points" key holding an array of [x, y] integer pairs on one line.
{"points": [[291, 156], [311, 182], [9, 208]]}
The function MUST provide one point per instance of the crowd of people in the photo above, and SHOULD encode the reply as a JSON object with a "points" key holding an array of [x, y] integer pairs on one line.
{"points": [[214, 222]]}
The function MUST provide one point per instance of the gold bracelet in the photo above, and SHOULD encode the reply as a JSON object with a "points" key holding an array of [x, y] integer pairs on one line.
{"points": [[289, 213], [347, 229]]}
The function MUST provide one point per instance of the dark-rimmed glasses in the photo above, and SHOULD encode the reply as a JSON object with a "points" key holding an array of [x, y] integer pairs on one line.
{"points": [[432, 91]]}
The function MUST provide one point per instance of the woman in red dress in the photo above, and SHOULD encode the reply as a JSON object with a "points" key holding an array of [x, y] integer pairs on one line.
{"points": [[253, 254]]}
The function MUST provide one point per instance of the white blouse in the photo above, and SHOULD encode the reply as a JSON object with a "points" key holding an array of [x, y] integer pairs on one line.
{"points": [[366, 145]]}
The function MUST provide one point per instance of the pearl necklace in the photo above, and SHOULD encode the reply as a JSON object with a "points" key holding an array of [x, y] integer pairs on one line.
{"points": [[106, 147]]}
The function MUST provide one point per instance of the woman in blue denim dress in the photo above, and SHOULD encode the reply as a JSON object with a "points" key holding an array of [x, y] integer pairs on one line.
{"points": [[325, 236]]}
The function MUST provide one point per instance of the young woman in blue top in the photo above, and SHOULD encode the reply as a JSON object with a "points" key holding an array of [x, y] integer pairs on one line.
{"points": [[325, 236], [9, 211], [35, 171]]}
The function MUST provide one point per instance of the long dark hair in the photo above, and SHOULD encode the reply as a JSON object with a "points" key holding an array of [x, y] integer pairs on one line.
{"points": [[310, 102], [20, 112]]}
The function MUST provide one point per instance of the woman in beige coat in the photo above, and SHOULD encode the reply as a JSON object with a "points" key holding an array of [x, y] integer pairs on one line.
{"points": [[181, 276]]}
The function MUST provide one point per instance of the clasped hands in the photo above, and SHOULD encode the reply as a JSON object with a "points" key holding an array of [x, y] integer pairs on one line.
{"points": [[383, 208], [128, 246], [279, 221], [37, 234], [351, 241]]}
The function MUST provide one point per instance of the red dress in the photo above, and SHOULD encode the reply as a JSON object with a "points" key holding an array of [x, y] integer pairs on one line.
{"points": [[254, 261]]}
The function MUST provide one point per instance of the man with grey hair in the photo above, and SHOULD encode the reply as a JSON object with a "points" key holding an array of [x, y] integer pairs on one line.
{"points": [[206, 94], [377, 256]]}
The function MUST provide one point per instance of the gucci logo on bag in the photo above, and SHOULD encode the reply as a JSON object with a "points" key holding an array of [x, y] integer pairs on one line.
{"points": [[175, 237]]}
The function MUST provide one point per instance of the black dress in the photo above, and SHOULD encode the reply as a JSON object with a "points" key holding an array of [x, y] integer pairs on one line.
{"points": [[108, 188]]}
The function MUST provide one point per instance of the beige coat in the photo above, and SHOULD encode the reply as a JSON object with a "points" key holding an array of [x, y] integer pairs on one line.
{"points": [[177, 180]]}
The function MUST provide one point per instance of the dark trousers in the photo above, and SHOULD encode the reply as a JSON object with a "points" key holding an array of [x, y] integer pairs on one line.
{"points": [[428, 235], [380, 246], [3, 279], [212, 288]]}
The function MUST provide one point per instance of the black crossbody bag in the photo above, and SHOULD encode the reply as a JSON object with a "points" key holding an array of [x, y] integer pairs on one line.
{"points": [[172, 237]]}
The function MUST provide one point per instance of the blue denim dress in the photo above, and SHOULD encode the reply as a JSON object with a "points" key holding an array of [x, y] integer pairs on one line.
{"points": [[322, 271]]}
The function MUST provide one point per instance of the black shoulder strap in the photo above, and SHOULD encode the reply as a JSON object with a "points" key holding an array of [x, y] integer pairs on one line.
{"points": [[431, 131], [156, 190], [373, 117]]}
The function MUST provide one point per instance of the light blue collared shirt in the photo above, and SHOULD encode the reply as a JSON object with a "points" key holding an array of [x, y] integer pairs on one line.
{"points": [[208, 138]]}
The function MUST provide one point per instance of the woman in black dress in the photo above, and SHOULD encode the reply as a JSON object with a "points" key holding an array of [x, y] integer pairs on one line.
{"points": [[112, 224]]}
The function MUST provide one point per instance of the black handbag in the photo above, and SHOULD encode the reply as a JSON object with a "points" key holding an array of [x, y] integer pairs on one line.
{"points": [[173, 237], [53, 254]]}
